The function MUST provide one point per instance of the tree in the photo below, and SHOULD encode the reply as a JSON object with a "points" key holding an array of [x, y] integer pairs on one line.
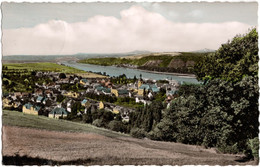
{"points": [[232, 61], [60, 98], [87, 117], [135, 79], [62, 75], [76, 107], [117, 126]]}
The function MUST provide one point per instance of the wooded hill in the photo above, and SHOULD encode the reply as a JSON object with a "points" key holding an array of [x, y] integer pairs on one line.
{"points": [[182, 62]]}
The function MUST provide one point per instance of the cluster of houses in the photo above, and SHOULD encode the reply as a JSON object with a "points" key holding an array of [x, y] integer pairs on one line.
{"points": [[43, 100]]}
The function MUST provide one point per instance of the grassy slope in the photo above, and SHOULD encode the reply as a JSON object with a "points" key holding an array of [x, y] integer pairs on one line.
{"points": [[84, 149], [166, 59], [15, 118]]}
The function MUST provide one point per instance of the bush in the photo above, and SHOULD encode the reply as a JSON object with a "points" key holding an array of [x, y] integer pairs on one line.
{"points": [[138, 133], [117, 126], [98, 123], [253, 145], [62, 75], [87, 118], [107, 117], [229, 149]]}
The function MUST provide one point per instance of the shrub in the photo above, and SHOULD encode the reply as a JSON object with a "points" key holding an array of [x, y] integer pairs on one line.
{"points": [[253, 145], [87, 118], [138, 133], [98, 123], [117, 126], [229, 149]]}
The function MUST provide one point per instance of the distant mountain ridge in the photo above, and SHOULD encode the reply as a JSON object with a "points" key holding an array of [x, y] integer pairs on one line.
{"points": [[205, 50]]}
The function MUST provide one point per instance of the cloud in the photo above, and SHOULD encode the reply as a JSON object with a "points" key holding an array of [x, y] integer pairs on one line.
{"points": [[196, 14], [137, 29]]}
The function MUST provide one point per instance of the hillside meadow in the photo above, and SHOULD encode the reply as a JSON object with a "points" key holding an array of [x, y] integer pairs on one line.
{"points": [[14, 118], [40, 140], [46, 66]]}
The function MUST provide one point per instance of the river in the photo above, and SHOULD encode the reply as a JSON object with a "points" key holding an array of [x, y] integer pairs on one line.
{"points": [[130, 73]]}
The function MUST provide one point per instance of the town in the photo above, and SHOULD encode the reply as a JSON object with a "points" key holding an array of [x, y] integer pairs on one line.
{"points": [[64, 96]]}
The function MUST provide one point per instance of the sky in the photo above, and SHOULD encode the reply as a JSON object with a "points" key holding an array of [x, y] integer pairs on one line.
{"points": [[71, 28]]}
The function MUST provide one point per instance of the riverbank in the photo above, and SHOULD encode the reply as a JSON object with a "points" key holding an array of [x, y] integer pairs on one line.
{"points": [[169, 73], [158, 72]]}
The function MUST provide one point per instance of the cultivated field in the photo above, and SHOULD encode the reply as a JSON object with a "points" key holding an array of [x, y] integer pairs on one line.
{"points": [[139, 56], [45, 66], [65, 142]]}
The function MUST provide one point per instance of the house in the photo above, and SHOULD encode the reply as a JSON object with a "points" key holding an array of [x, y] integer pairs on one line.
{"points": [[65, 80], [141, 100], [102, 89], [142, 88], [101, 105], [50, 86], [125, 119], [49, 92], [139, 83], [108, 84], [123, 92], [173, 82], [114, 92], [28, 108], [85, 103], [25, 94], [171, 92], [17, 94], [154, 88], [7, 103], [58, 112], [57, 86], [17, 104], [13, 97], [132, 86], [84, 82], [120, 92], [168, 101], [72, 94], [106, 91], [69, 105], [150, 95], [146, 87], [39, 99], [116, 110]]}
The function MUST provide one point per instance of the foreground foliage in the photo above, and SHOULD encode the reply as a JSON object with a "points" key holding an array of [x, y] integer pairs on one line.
{"points": [[222, 112], [232, 61]]}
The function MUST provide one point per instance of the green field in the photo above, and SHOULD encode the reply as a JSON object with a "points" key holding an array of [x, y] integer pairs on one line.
{"points": [[43, 67], [15, 118], [164, 58]]}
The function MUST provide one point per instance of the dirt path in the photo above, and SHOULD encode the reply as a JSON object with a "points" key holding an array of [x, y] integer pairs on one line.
{"points": [[99, 150]]}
